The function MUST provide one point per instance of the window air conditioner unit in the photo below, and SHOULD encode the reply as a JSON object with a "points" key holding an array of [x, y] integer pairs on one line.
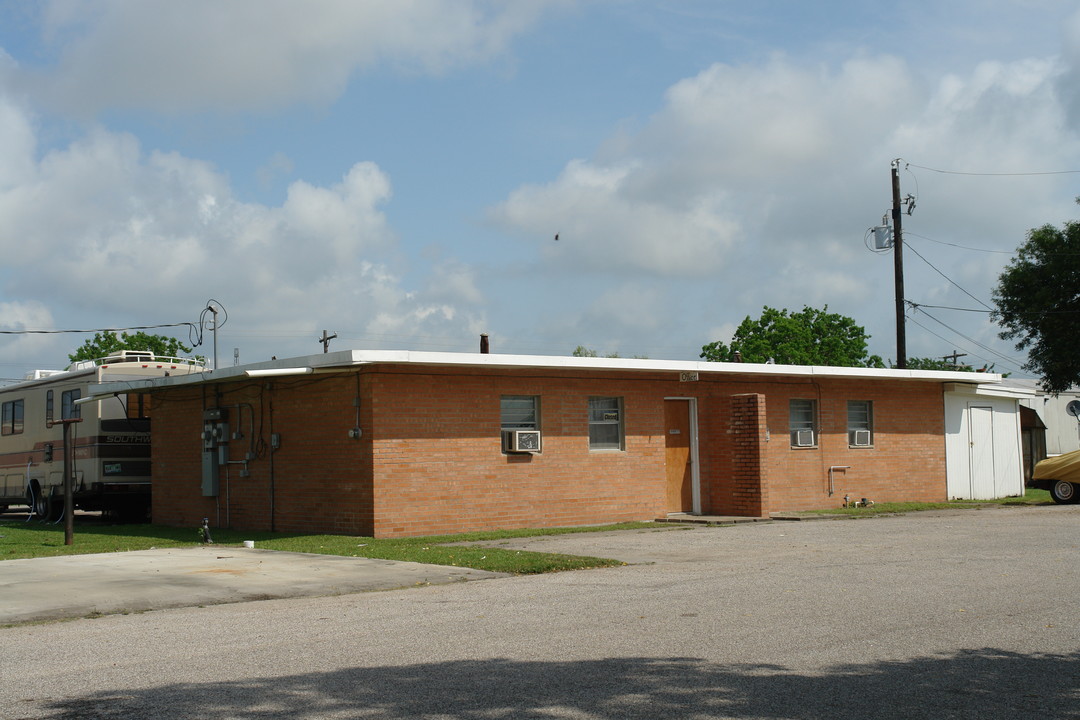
{"points": [[521, 441], [804, 438], [862, 438]]}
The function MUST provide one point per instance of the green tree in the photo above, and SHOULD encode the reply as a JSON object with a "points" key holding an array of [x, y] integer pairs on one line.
{"points": [[940, 364], [918, 363], [104, 344], [581, 351], [808, 337], [1037, 301]]}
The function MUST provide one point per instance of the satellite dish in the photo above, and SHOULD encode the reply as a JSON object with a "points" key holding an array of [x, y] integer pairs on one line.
{"points": [[1073, 408]]}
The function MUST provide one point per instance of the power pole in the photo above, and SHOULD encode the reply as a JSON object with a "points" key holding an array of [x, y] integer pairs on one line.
{"points": [[325, 340], [898, 268], [69, 479], [954, 357]]}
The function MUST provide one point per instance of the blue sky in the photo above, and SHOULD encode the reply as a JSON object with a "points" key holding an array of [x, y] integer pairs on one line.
{"points": [[395, 172]]}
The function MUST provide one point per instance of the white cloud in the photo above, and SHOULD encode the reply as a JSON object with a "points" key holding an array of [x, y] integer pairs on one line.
{"points": [[604, 224], [735, 155], [764, 179], [340, 218], [755, 123], [453, 280], [752, 184], [251, 54], [134, 238], [17, 144], [21, 316]]}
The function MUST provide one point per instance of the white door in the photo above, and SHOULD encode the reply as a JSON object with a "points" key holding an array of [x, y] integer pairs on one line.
{"points": [[981, 452]]}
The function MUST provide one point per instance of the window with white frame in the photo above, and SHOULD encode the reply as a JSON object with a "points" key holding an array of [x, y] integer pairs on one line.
{"points": [[49, 409], [605, 423], [12, 418], [802, 422], [860, 423]]}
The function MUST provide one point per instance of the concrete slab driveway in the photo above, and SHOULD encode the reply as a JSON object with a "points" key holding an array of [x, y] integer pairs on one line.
{"points": [[81, 585]]}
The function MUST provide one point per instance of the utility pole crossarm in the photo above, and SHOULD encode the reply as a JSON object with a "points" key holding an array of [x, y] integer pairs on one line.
{"points": [[954, 357]]}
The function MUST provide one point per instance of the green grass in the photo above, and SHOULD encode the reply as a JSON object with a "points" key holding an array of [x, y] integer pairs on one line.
{"points": [[35, 539], [1031, 497]]}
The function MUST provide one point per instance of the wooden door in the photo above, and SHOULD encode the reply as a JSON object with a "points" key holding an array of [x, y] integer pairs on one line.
{"points": [[677, 436]]}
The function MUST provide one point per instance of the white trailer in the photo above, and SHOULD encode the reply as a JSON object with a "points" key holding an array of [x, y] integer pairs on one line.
{"points": [[111, 444]]}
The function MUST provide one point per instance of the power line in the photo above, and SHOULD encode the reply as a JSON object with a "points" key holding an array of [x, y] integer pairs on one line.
{"points": [[947, 341], [96, 330], [940, 337], [916, 306], [999, 174], [1012, 361], [962, 247], [954, 283], [908, 233]]}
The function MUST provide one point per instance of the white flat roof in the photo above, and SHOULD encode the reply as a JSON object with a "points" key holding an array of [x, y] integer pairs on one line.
{"points": [[345, 359]]}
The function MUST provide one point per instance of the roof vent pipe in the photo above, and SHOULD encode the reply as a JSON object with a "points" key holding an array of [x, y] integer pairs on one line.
{"points": [[484, 347]]}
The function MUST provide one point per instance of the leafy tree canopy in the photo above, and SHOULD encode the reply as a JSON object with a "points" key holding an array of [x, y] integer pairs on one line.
{"points": [[104, 344], [582, 351], [1038, 304], [808, 337], [918, 363]]}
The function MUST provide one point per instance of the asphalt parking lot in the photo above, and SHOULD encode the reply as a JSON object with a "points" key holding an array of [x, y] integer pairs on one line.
{"points": [[954, 614]]}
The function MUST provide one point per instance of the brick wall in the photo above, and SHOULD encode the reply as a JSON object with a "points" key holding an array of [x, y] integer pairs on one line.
{"points": [[430, 458], [318, 479], [176, 418], [905, 463], [749, 474], [439, 465]]}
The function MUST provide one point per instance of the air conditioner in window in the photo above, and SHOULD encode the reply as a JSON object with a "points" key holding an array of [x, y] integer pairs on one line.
{"points": [[862, 438], [521, 441], [804, 438]]}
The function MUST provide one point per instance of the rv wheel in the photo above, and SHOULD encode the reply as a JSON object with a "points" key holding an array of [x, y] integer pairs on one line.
{"points": [[1063, 492], [54, 506], [39, 504]]}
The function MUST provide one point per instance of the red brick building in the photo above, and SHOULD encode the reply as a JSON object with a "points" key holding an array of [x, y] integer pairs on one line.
{"points": [[401, 443]]}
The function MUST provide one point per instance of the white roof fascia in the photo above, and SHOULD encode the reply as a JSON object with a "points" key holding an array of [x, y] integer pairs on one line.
{"points": [[278, 372], [364, 357], [341, 360], [1005, 391], [1036, 386]]}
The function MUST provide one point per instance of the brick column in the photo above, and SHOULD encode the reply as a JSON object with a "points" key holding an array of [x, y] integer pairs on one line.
{"points": [[749, 474]]}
